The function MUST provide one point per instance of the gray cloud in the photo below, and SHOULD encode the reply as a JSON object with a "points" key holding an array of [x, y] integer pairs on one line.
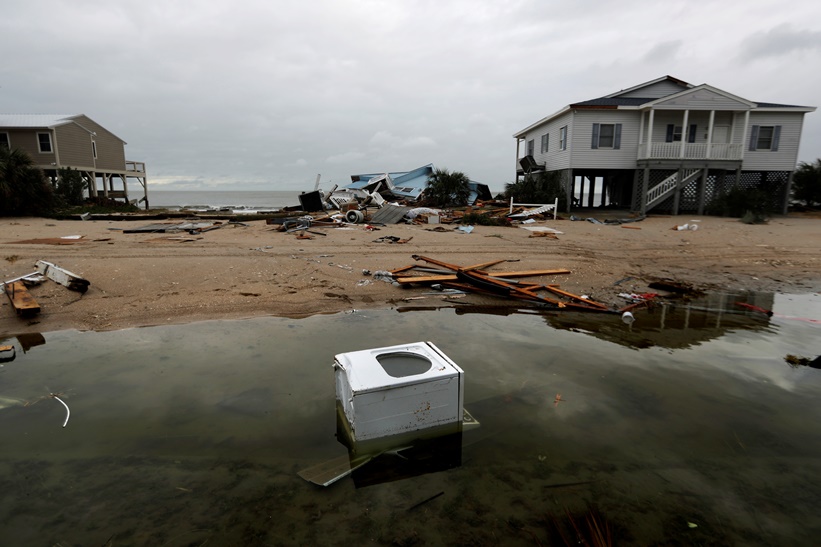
{"points": [[779, 41], [269, 93]]}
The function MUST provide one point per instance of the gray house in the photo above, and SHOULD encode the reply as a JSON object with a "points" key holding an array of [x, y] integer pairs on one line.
{"points": [[76, 141], [665, 145]]}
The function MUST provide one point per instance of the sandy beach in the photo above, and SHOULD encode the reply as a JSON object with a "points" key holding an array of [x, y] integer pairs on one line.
{"points": [[250, 270]]}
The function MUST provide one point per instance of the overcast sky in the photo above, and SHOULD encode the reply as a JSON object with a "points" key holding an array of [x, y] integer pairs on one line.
{"points": [[266, 94]]}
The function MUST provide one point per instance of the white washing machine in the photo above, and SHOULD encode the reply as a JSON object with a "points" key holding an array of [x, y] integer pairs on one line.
{"points": [[398, 389]]}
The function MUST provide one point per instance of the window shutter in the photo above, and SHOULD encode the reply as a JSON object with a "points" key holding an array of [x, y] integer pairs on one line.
{"points": [[753, 138], [617, 137], [692, 136], [670, 129], [595, 143], [776, 138]]}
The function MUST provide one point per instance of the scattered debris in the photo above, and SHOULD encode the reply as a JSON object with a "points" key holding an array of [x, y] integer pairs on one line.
{"points": [[673, 286], [62, 276], [68, 410], [51, 241], [477, 279], [165, 227], [798, 361], [57, 397], [7, 353]]}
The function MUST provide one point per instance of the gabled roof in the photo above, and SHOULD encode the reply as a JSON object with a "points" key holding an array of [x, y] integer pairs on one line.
{"points": [[43, 121], [615, 101], [676, 81], [36, 121]]}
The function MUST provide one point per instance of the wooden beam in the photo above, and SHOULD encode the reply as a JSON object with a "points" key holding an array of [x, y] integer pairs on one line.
{"points": [[22, 302], [64, 277]]}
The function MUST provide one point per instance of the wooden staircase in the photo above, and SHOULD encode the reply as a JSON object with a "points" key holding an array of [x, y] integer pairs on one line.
{"points": [[669, 186]]}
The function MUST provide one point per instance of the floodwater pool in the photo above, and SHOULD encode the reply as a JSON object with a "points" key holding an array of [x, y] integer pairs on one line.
{"points": [[686, 427]]}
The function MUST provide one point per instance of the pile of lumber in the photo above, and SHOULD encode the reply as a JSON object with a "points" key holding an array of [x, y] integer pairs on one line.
{"points": [[478, 279]]}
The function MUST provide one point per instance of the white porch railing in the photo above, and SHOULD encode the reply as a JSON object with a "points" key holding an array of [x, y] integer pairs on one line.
{"points": [[136, 166], [692, 151], [661, 189]]}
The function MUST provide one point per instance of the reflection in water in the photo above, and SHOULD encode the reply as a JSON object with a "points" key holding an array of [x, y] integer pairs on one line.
{"points": [[195, 434]]}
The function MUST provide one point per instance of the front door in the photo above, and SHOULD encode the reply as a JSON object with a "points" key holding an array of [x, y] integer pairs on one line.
{"points": [[721, 134]]}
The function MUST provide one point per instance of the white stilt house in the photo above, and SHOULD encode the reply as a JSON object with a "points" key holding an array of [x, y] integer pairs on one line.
{"points": [[665, 145]]}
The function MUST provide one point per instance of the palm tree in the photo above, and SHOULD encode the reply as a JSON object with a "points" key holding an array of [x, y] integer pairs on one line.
{"points": [[807, 183], [23, 188], [447, 188]]}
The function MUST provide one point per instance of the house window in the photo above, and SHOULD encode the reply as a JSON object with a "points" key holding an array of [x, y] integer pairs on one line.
{"points": [[675, 133], [545, 139], [4, 141], [765, 137], [606, 135], [531, 147], [563, 138], [44, 140], [94, 149]]}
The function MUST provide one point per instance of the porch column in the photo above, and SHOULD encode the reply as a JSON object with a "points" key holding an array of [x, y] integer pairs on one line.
{"points": [[569, 188], [641, 130], [650, 134], [677, 195], [702, 185], [590, 192], [581, 189], [786, 206], [744, 136], [516, 163], [644, 186], [710, 133], [684, 133]]}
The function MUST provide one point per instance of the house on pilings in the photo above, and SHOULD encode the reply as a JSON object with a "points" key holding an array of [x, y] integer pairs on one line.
{"points": [[666, 146], [78, 142]]}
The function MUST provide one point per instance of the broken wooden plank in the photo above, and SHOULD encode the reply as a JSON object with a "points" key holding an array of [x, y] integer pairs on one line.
{"points": [[327, 473], [453, 277], [528, 273], [425, 278], [575, 297], [21, 300], [62, 276]]}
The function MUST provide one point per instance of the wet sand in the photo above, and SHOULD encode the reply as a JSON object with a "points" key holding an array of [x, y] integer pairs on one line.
{"points": [[142, 279]]}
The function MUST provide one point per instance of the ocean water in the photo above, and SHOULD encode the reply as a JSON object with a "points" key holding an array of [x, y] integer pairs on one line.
{"points": [[216, 200]]}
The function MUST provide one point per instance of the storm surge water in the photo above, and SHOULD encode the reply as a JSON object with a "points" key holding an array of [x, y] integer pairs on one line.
{"points": [[697, 424]]}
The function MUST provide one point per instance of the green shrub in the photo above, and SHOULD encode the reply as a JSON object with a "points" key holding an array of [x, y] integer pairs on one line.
{"points": [[70, 186], [544, 187], [740, 202]]}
